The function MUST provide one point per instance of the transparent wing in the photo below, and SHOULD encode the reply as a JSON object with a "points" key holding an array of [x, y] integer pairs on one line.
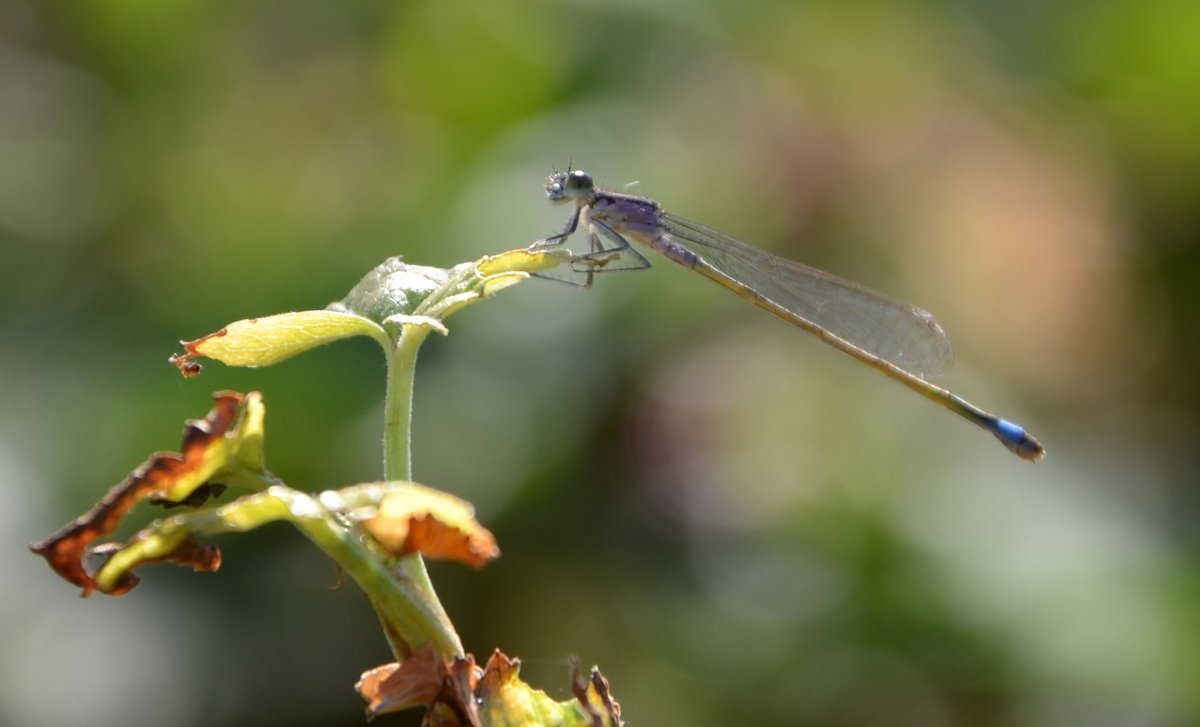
{"points": [[891, 329]]}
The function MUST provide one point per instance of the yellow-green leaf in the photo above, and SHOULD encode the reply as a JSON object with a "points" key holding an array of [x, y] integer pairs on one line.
{"points": [[269, 340]]}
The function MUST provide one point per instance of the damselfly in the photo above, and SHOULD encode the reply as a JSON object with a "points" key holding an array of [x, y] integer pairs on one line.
{"points": [[900, 340]]}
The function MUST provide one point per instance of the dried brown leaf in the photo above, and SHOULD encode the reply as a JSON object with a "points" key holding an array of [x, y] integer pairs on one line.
{"points": [[191, 551], [434, 524], [460, 694], [456, 705], [596, 698], [396, 686], [66, 549]]}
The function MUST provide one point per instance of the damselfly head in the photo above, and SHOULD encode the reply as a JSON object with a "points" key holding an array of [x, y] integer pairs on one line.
{"points": [[568, 185]]}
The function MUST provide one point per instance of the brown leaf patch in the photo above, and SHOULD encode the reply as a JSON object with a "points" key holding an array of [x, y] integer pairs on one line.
{"points": [[456, 704], [498, 673], [66, 549], [432, 538], [198, 496], [186, 362], [460, 694], [186, 365], [433, 524], [448, 689], [594, 695], [191, 551], [396, 686]]}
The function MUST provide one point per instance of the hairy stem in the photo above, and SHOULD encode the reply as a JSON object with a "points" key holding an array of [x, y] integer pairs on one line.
{"points": [[397, 466]]}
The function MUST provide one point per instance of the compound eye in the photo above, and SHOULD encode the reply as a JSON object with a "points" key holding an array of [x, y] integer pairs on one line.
{"points": [[579, 179]]}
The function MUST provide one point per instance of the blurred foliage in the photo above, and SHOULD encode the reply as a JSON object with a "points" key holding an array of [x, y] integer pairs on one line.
{"points": [[738, 525]]}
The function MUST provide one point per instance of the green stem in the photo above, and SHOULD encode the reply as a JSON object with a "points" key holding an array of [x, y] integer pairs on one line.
{"points": [[397, 424], [397, 466]]}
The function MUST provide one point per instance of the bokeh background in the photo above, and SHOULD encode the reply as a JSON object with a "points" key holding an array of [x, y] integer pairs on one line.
{"points": [[738, 524]]}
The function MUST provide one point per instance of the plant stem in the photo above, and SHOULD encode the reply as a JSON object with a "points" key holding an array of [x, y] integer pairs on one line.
{"points": [[397, 466], [397, 425]]}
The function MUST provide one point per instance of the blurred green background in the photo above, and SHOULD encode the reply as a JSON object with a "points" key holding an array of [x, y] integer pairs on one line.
{"points": [[738, 524]]}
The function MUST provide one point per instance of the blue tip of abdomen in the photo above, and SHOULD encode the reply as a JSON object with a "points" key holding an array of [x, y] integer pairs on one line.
{"points": [[1018, 441], [1009, 431]]}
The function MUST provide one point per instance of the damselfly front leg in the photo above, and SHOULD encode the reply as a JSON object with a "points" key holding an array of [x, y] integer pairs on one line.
{"points": [[600, 257]]}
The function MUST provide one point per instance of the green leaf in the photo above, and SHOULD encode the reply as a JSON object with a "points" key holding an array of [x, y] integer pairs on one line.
{"points": [[265, 341], [396, 292], [388, 300], [392, 288]]}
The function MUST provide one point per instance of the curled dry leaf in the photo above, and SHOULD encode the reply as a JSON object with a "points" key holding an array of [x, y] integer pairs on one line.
{"points": [[596, 699], [437, 525], [190, 551], [460, 694], [457, 703], [394, 687], [167, 476]]}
